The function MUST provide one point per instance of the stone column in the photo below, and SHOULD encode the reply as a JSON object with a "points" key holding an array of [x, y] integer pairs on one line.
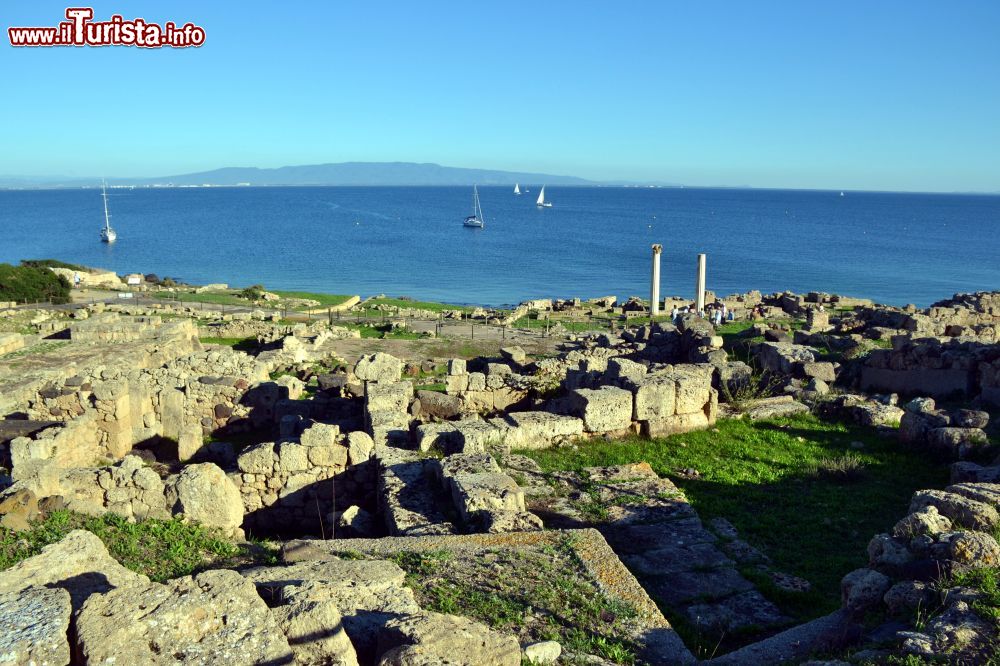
{"points": [[699, 295], [654, 289]]}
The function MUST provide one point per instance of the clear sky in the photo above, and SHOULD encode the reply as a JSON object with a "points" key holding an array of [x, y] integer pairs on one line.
{"points": [[895, 94]]}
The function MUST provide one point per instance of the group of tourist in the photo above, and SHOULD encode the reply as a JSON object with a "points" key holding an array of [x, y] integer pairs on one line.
{"points": [[716, 312]]}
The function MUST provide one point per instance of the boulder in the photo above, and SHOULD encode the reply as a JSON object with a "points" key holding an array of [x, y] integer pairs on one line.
{"points": [[514, 354], [925, 521], [960, 510], [960, 442], [214, 617], [205, 494], [316, 634], [355, 522], [439, 405], [544, 652], [378, 367], [433, 638], [360, 447], [863, 588], [33, 627], [974, 549]]}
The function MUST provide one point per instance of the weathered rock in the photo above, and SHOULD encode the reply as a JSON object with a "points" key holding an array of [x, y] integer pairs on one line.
{"points": [[205, 494], [79, 563], [863, 588], [433, 638], [974, 549], [545, 652], [925, 521], [960, 510], [908, 595], [378, 367], [439, 405], [360, 447], [603, 410], [514, 354], [215, 617], [33, 626], [316, 634], [887, 554], [961, 442], [970, 418], [356, 522]]}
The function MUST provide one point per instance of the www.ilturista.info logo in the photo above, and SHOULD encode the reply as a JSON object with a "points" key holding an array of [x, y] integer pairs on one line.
{"points": [[80, 30]]}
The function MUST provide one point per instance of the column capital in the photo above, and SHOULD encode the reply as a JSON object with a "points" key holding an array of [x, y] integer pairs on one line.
{"points": [[657, 248]]}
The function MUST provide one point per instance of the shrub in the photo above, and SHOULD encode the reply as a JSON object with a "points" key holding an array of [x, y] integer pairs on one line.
{"points": [[253, 292], [51, 263], [29, 284]]}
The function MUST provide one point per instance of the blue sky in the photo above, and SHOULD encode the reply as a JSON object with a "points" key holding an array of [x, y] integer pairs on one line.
{"points": [[897, 95]]}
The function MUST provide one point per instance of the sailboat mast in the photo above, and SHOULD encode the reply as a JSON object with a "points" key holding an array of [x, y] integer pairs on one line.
{"points": [[104, 195]]}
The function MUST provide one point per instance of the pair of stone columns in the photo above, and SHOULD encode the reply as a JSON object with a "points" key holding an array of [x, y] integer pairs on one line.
{"points": [[654, 296]]}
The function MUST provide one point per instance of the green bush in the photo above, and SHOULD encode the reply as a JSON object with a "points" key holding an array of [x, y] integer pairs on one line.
{"points": [[51, 263], [253, 292], [29, 284]]}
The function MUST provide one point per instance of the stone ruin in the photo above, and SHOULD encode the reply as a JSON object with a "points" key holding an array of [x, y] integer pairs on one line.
{"points": [[367, 455]]}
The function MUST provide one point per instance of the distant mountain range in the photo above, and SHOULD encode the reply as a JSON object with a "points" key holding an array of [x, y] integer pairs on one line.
{"points": [[343, 173]]}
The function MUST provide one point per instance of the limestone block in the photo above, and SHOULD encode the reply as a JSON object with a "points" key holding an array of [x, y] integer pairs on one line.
{"points": [[477, 381], [360, 447], [655, 396], [456, 366], [334, 455], [205, 494], [432, 638], [315, 632], [292, 457], [189, 442], [624, 369], [456, 383], [602, 410], [388, 397], [33, 627], [540, 430], [378, 367], [258, 459], [488, 491], [215, 617], [172, 412]]}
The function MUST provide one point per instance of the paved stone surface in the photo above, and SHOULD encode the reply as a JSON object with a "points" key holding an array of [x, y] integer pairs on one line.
{"points": [[658, 535]]}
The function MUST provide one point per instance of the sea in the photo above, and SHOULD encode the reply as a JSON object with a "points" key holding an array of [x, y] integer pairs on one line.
{"points": [[594, 241]]}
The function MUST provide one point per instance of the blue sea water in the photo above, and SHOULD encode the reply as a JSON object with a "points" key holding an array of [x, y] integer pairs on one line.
{"points": [[594, 241]]}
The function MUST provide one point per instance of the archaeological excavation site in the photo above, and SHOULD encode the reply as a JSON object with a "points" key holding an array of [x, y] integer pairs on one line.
{"points": [[811, 479]]}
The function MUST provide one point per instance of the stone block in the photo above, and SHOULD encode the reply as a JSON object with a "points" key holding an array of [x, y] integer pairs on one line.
{"points": [[603, 410]]}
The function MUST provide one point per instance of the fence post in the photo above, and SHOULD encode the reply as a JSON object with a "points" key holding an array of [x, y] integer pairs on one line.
{"points": [[473, 331]]}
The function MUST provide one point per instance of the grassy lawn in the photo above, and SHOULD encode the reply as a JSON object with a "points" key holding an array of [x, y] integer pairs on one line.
{"points": [[160, 549], [416, 305], [782, 484], [381, 331]]}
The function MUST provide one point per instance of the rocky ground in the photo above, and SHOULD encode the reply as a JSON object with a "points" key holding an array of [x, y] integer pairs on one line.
{"points": [[498, 486]]}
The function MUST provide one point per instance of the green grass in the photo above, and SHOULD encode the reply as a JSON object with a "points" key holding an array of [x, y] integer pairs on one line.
{"points": [[536, 595], [430, 306], [213, 298], [40, 348], [325, 300], [570, 325], [783, 485], [382, 331], [239, 344], [160, 549]]}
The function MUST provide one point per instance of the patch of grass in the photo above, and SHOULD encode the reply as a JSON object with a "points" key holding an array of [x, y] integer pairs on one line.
{"points": [[407, 304], [239, 344], [40, 348], [538, 594], [440, 387], [762, 476], [214, 298], [325, 300], [160, 549], [382, 331], [987, 581]]}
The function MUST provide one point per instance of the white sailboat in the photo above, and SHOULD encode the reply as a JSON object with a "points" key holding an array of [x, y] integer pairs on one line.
{"points": [[108, 235], [517, 189], [476, 219], [542, 203]]}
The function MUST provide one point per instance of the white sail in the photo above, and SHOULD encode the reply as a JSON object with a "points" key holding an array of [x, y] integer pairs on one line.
{"points": [[541, 197], [517, 189]]}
